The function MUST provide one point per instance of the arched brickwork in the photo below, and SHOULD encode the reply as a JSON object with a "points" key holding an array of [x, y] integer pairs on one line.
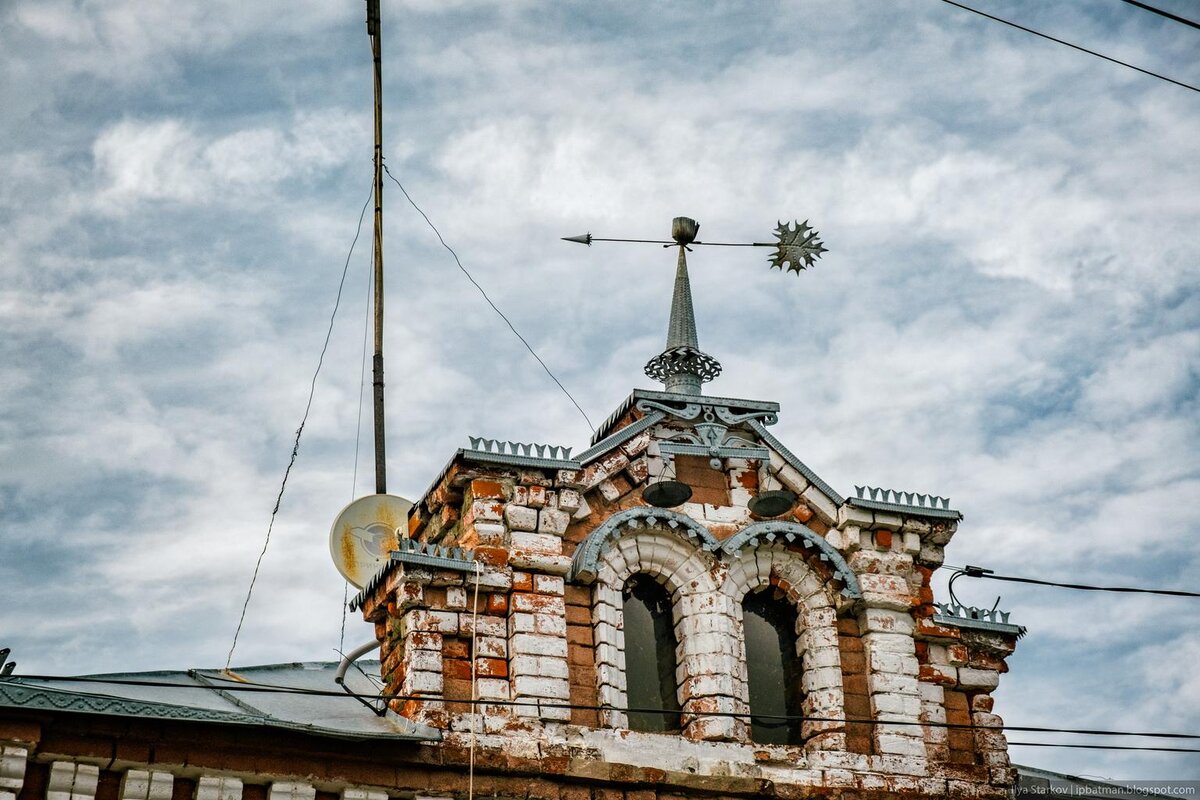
{"points": [[774, 566], [686, 570]]}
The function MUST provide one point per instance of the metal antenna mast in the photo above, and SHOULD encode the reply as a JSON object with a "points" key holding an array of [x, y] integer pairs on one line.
{"points": [[377, 361]]}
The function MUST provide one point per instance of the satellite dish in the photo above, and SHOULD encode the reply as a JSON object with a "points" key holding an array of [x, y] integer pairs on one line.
{"points": [[365, 534]]}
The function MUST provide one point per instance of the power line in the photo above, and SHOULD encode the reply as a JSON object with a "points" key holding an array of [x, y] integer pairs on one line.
{"points": [[978, 572], [1106, 747], [1162, 13], [507, 322], [312, 388], [238, 686], [1072, 46]]}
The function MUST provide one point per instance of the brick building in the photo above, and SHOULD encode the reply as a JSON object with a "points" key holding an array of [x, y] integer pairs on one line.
{"points": [[685, 609]]}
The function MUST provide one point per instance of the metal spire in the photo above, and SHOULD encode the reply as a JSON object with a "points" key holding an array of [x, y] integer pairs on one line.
{"points": [[682, 367]]}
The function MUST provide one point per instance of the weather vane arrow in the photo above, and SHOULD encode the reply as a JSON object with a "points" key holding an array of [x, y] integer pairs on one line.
{"points": [[797, 245], [682, 366]]}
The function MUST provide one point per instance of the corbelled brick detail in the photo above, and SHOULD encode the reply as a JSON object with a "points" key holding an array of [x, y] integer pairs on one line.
{"points": [[869, 654]]}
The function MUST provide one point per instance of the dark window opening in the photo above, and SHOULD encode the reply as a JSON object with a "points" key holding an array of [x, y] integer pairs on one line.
{"points": [[773, 669], [650, 657]]}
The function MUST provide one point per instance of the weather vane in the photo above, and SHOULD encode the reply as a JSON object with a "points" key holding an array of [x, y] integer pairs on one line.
{"points": [[682, 367]]}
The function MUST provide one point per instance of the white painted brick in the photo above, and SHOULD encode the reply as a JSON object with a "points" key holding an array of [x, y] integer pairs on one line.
{"points": [[491, 688], [912, 542], [456, 597], [899, 643], [534, 645], [584, 511], [822, 657], [907, 707], [291, 790], [142, 785], [554, 522], [527, 603], [883, 661], [886, 683], [520, 518], [427, 660], [71, 781], [568, 500], [726, 514], [538, 665], [608, 490], [970, 678], [491, 647], [490, 534], [544, 624], [548, 584], [482, 625], [931, 693], [541, 686], [901, 746], [541, 543], [556, 564], [363, 793], [888, 621], [435, 621], [421, 682], [12, 767], [821, 678], [214, 787]]}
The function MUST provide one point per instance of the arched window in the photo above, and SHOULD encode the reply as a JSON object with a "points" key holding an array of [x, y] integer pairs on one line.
{"points": [[650, 656], [773, 669]]}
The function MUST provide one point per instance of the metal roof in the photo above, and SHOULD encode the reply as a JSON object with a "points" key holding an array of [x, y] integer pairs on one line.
{"points": [[211, 695]]}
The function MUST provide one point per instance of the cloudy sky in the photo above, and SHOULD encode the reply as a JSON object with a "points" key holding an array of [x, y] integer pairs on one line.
{"points": [[1007, 314]]}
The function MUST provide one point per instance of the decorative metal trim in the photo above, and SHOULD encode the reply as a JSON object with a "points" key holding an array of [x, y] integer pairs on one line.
{"points": [[797, 247], [791, 532], [420, 554], [673, 397], [992, 620], [922, 505], [910, 510], [683, 360], [14, 695], [526, 449], [795, 462], [902, 498], [430, 555], [620, 437], [518, 460], [587, 556], [754, 451]]}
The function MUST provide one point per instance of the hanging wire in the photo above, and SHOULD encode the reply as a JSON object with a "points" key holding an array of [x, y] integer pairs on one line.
{"points": [[1072, 46], [243, 686], [300, 430], [979, 572], [507, 321]]}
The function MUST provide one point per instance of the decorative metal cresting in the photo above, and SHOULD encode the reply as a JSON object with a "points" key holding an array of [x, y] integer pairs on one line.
{"points": [[682, 367], [958, 614]]}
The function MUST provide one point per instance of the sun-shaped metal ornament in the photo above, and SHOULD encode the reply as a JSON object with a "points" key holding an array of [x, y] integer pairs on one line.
{"points": [[798, 247]]}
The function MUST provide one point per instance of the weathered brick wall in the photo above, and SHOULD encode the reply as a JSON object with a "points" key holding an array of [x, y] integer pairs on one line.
{"points": [[544, 642]]}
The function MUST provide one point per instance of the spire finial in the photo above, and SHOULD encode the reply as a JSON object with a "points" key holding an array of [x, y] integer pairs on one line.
{"points": [[682, 367]]}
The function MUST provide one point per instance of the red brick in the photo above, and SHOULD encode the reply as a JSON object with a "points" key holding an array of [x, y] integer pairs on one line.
{"points": [[487, 490]]}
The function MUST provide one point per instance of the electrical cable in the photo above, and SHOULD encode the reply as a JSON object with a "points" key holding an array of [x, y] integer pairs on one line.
{"points": [[296, 445], [471, 278], [1162, 13], [1107, 747], [239, 686], [1073, 46], [977, 572]]}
